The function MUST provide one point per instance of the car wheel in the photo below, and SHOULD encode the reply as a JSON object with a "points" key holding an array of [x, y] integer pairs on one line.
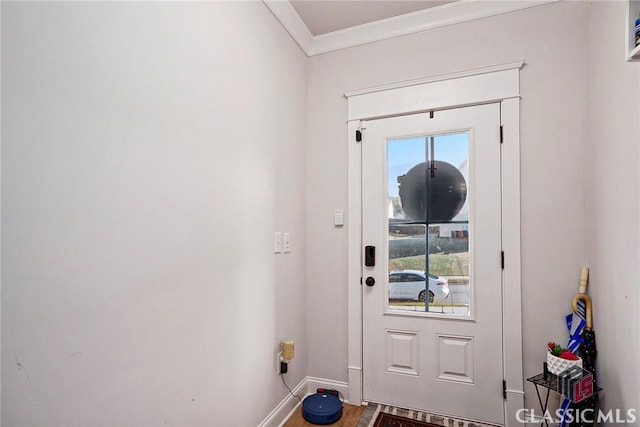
{"points": [[423, 293]]}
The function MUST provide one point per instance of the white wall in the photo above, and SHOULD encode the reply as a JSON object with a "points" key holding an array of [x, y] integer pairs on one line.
{"points": [[551, 39], [613, 182], [149, 152]]}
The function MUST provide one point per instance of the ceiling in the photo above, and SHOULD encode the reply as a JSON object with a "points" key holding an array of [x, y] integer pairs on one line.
{"points": [[322, 26], [326, 16]]}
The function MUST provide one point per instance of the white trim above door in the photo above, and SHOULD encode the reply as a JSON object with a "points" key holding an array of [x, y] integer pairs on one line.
{"points": [[498, 83]]}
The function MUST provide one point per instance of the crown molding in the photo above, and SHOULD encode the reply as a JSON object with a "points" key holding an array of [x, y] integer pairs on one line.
{"points": [[423, 20], [291, 21]]}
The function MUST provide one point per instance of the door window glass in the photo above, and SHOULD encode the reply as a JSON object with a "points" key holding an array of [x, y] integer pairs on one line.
{"points": [[428, 222]]}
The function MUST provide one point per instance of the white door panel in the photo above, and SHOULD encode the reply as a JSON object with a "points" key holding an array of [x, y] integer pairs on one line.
{"points": [[443, 357]]}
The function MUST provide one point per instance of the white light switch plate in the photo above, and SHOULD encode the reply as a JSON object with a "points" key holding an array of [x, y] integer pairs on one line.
{"points": [[277, 242], [286, 242]]}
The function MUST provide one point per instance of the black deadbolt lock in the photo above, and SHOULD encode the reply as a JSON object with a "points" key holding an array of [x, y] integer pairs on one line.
{"points": [[370, 256]]}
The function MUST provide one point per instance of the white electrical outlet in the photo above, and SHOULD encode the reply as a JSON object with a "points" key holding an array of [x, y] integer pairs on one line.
{"points": [[278, 359]]}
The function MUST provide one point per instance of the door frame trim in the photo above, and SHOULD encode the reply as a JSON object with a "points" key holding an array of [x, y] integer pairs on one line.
{"points": [[498, 83]]}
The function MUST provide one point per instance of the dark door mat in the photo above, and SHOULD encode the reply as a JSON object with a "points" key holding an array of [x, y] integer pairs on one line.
{"points": [[369, 418], [388, 420]]}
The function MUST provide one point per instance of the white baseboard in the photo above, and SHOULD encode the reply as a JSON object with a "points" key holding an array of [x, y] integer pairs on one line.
{"points": [[289, 404], [314, 383], [283, 411]]}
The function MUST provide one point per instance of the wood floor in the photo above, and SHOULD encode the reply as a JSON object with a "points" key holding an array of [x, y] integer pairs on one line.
{"points": [[350, 416]]}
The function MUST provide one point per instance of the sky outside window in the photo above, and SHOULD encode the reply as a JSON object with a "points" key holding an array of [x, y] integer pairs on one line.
{"points": [[403, 154]]}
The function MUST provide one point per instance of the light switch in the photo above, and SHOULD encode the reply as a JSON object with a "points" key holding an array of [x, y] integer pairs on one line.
{"points": [[286, 242], [277, 242], [338, 218]]}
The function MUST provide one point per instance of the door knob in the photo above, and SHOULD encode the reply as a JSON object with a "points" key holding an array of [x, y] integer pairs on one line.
{"points": [[370, 281]]}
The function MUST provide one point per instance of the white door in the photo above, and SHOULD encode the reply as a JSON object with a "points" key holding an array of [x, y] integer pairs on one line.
{"points": [[431, 203]]}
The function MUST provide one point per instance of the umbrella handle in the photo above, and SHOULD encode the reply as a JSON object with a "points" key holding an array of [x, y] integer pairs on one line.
{"points": [[584, 279], [587, 304]]}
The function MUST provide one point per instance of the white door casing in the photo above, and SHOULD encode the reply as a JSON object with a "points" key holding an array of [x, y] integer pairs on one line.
{"points": [[499, 83], [433, 361]]}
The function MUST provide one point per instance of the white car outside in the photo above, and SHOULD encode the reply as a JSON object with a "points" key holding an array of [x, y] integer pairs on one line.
{"points": [[410, 285]]}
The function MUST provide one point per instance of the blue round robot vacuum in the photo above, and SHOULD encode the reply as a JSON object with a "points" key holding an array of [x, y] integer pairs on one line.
{"points": [[321, 408]]}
